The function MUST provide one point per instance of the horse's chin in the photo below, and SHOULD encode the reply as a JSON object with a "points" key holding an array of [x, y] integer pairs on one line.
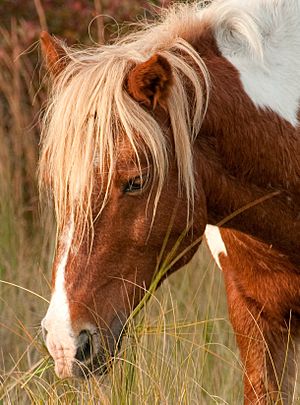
{"points": [[96, 367]]}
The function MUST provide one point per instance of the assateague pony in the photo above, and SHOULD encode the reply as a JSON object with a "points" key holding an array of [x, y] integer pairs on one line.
{"points": [[189, 124]]}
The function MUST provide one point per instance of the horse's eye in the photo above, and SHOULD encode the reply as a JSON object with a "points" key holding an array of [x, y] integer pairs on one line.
{"points": [[135, 184]]}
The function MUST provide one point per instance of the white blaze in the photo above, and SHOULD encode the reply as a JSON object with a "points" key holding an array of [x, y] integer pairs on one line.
{"points": [[215, 243], [60, 339]]}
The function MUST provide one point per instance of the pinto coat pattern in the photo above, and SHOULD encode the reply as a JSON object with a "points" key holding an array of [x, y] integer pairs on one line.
{"points": [[192, 121]]}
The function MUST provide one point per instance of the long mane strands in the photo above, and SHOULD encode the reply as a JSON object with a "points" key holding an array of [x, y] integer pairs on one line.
{"points": [[89, 104]]}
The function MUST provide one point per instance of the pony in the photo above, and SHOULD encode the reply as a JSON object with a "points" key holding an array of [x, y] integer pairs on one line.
{"points": [[187, 126]]}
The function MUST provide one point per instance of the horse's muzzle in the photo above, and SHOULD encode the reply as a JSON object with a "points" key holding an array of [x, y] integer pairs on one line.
{"points": [[96, 350]]}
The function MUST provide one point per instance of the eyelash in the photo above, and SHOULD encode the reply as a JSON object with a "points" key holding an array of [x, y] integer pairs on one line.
{"points": [[136, 184]]}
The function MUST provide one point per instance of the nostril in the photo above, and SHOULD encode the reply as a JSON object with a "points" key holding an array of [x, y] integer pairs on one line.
{"points": [[84, 350]]}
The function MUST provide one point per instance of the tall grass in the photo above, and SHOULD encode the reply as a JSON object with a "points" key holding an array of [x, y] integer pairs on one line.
{"points": [[179, 349], [24, 248]]}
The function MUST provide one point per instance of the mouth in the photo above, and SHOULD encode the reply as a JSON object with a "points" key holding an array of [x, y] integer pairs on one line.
{"points": [[98, 365]]}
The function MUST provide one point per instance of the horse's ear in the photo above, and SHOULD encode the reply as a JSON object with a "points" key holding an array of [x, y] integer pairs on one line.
{"points": [[149, 82], [53, 53]]}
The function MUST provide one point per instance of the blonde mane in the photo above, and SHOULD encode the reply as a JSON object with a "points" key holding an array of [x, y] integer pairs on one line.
{"points": [[74, 139], [89, 103]]}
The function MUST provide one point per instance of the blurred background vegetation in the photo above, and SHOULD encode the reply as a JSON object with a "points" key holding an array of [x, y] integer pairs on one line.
{"points": [[22, 88], [182, 349]]}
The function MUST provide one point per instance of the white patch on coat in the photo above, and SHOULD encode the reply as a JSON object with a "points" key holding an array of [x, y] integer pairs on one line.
{"points": [[60, 339], [215, 243], [261, 38]]}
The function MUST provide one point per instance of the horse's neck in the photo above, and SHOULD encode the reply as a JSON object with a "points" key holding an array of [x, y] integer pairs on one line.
{"points": [[248, 207], [244, 154], [253, 144]]}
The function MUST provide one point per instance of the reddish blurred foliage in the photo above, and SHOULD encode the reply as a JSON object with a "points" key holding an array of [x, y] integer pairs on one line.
{"points": [[70, 19], [22, 80]]}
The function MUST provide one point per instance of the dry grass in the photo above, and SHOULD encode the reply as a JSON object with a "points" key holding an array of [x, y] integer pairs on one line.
{"points": [[24, 249], [180, 349]]}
